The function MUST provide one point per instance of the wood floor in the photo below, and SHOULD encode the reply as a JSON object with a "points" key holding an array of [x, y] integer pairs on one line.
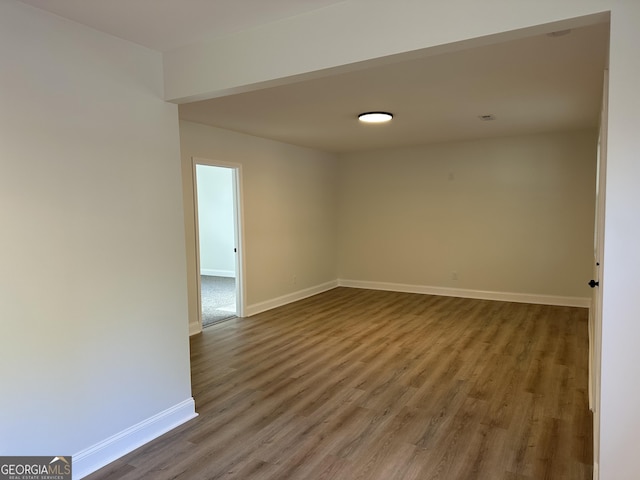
{"points": [[356, 384]]}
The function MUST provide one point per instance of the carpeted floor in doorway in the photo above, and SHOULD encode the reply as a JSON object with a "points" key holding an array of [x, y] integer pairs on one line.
{"points": [[218, 299]]}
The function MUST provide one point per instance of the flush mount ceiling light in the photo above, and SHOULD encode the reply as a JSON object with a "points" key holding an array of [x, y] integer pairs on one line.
{"points": [[375, 117]]}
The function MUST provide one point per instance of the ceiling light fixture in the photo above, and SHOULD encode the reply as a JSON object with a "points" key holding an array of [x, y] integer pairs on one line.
{"points": [[375, 117]]}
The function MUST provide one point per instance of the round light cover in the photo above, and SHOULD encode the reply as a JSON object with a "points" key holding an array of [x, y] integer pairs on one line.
{"points": [[375, 117]]}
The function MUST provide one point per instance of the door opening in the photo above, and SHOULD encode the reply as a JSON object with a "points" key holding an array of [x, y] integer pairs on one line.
{"points": [[217, 253]]}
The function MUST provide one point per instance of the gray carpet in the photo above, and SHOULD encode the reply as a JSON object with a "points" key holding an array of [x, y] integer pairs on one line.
{"points": [[218, 299]]}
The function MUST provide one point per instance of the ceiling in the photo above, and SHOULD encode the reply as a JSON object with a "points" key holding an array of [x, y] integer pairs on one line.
{"points": [[165, 25], [536, 84]]}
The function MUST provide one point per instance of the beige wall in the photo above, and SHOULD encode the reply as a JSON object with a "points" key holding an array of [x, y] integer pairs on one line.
{"points": [[93, 299], [507, 214], [289, 211]]}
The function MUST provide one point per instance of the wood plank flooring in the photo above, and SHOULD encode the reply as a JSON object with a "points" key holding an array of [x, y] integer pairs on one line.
{"points": [[357, 384]]}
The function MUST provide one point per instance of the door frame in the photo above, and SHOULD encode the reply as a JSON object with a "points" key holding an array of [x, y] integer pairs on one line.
{"points": [[595, 312], [238, 221]]}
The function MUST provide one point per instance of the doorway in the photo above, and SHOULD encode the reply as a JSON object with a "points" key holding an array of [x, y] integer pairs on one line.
{"points": [[218, 255]]}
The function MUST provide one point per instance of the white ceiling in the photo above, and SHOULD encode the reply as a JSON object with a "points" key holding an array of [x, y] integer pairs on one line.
{"points": [[165, 25], [534, 84]]}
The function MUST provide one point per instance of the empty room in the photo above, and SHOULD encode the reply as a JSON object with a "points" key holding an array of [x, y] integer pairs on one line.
{"points": [[456, 342], [449, 294]]}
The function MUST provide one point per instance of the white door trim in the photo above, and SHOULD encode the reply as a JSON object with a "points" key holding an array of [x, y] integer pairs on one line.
{"points": [[595, 313], [238, 217]]}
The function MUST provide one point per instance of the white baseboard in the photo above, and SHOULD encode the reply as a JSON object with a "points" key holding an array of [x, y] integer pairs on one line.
{"points": [[423, 289], [464, 293], [97, 456], [194, 328], [217, 273], [289, 298]]}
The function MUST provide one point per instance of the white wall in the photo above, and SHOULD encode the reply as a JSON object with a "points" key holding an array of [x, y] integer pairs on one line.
{"points": [[93, 300], [215, 220], [289, 199], [247, 60], [620, 393], [510, 215]]}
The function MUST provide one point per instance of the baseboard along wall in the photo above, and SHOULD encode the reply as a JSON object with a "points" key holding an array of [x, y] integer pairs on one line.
{"points": [[260, 307], [97, 456], [194, 328], [217, 273], [583, 302], [254, 309]]}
